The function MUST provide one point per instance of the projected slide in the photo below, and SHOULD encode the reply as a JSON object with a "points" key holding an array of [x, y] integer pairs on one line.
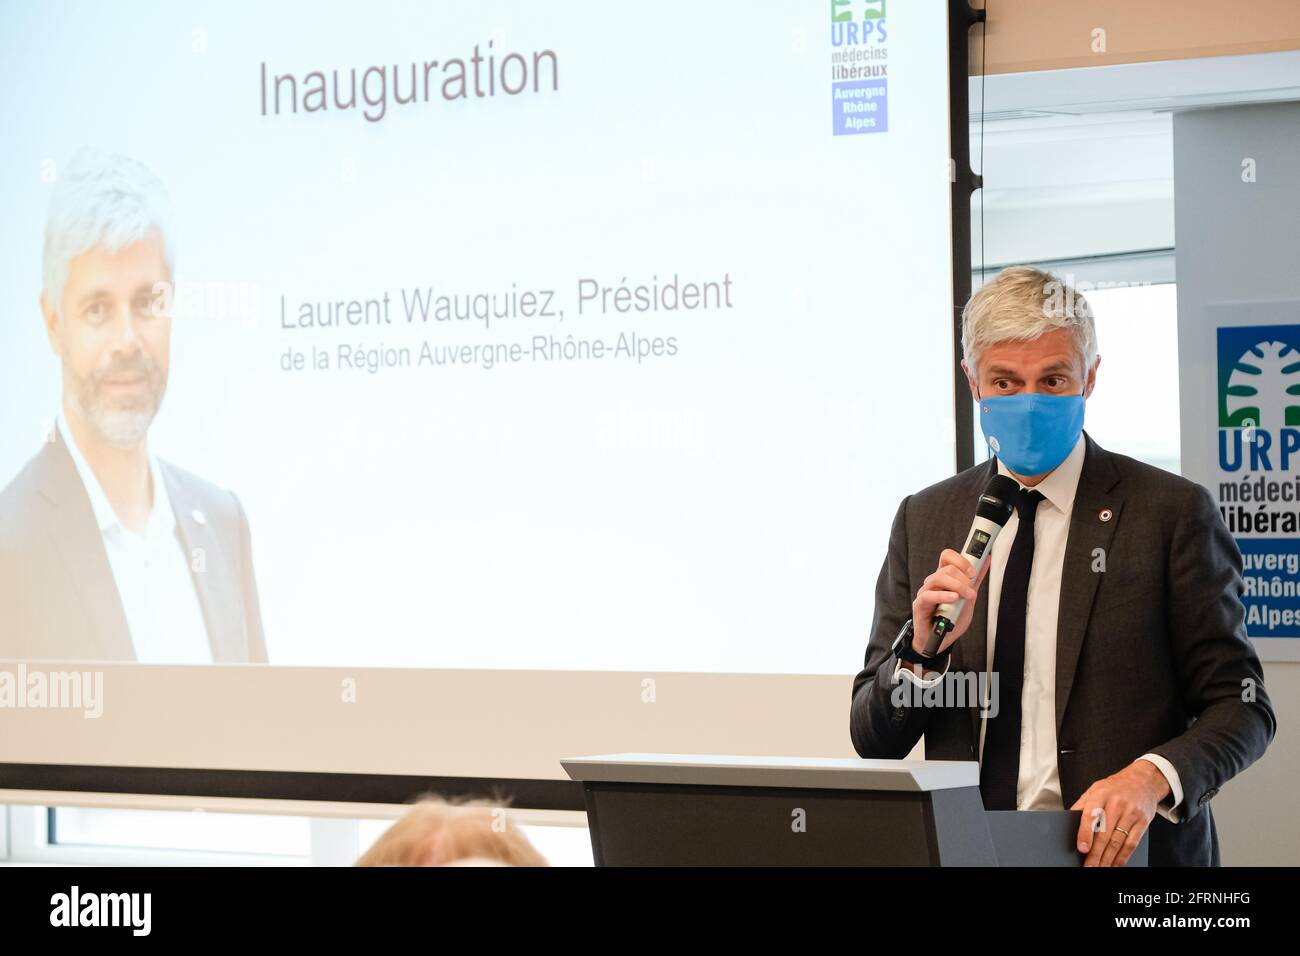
{"points": [[522, 335]]}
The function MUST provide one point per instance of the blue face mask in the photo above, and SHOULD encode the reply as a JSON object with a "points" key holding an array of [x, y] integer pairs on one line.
{"points": [[1031, 433]]}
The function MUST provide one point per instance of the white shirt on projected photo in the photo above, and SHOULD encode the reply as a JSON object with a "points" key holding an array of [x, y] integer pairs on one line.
{"points": [[151, 570], [1038, 786]]}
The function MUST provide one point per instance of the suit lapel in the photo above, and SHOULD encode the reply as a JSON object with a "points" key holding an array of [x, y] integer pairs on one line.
{"points": [[1088, 541], [80, 544], [209, 568]]}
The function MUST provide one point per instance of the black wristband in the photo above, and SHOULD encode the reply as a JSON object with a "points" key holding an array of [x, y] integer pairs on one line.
{"points": [[902, 648]]}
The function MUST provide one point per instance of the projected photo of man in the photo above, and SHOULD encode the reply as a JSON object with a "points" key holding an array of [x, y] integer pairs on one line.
{"points": [[107, 552]]}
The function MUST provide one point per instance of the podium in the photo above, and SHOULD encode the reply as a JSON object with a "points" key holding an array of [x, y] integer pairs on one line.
{"points": [[718, 810]]}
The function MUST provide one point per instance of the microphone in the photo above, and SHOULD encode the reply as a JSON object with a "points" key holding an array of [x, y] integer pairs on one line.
{"points": [[991, 514]]}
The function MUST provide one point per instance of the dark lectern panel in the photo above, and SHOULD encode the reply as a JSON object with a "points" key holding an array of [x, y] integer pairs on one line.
{"points": [[1044, 838], [633, 825]]}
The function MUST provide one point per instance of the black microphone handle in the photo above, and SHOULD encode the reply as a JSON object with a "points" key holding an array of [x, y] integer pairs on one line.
{"points": [[937, 633]]}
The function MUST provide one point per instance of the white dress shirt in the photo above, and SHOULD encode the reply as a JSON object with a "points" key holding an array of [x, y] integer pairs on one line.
{"points": [[152, 572], [1038, 786]]}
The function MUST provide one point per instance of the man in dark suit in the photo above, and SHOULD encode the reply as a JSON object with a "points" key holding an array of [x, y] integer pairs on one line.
{"points": [[1110, 646], [106, 552]]}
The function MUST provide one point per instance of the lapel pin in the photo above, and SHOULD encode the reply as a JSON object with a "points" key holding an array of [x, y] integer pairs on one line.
{"points": [[200, 518], [1105, 514]]}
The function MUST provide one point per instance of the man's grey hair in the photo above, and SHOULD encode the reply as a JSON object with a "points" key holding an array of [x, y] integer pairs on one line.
{"points": [[1020, 304], [103, 200]]}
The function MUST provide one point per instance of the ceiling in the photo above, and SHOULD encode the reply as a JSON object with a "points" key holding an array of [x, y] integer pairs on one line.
{"points": [[1080, 162]]}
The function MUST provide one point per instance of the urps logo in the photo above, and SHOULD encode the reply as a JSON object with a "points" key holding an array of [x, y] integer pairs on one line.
{"points": [[859, 67], [1259, 397], [855, 22], [845, 10]]}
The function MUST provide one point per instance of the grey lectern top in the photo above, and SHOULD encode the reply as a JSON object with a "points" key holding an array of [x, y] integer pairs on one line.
{"points": [[727, 810], [834, 773]]}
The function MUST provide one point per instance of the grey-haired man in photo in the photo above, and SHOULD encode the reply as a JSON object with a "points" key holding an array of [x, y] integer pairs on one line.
{"points": [[1113, 622], [106, 552]]}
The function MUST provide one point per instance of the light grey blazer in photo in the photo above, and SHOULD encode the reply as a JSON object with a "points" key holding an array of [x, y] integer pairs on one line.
{"points": [[58, 597]]}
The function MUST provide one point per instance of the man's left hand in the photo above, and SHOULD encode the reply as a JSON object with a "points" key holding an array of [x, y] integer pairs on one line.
{"points": [[1124, 801]]}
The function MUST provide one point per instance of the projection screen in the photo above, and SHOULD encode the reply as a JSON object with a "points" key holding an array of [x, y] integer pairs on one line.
{"points": [[401, 390]]}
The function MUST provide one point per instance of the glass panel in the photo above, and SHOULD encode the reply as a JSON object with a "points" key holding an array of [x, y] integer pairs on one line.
{"points": [[1134, 409], [196, 830]]}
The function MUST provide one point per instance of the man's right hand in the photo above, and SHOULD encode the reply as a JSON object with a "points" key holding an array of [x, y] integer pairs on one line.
{"points": [[950, 581]]}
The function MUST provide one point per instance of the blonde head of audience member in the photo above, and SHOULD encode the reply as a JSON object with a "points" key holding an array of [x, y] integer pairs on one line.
{"points": [[435, 832]]}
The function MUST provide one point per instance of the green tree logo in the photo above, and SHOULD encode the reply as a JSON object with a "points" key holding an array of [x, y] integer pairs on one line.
{"points": [[842, 10], [1259, 376], [1265, 385]]}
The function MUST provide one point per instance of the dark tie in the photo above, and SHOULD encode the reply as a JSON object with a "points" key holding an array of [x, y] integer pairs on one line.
{"points": [[1000, 765]]}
